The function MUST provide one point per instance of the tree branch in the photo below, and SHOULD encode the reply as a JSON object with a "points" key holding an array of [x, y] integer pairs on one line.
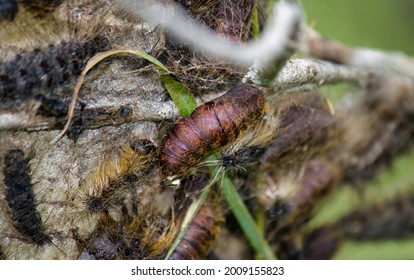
{"points": [[309, 74], [315, 45]]}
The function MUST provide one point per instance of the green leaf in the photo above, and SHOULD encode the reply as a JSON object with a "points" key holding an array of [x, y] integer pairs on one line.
{"points": [[180, 94]]}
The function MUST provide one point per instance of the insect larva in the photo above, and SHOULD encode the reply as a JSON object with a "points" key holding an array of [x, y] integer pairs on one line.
{"points": [[322, 243], [242, 158], [40, 74], [201, 234], [144, 228], [210, 126], [305, 125], [123, 169], [8, 10], [381, 221], [42, 5], [20, 197], [319, 177], [301, 194]]}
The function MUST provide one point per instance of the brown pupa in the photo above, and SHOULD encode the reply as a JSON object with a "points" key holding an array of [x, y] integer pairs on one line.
{"points": [[210, 126], [200, 235]]}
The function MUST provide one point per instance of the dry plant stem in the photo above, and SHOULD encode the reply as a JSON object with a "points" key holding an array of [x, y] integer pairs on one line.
{"points": [[315, 45], [309, 74], [78, 85], [272, 45]]}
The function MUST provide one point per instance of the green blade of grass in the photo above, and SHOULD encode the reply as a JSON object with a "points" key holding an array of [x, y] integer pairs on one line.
{"points": [[250, 229], [246, 221], [150, 58], [255, 27], [269, 7]]}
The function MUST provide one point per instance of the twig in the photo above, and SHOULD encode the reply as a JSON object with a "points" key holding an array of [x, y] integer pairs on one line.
{"points": [[315, 45], [309, 74]]}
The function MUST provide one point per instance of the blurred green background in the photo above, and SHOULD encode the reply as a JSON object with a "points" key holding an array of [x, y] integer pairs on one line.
{"points": [[382, 24]]}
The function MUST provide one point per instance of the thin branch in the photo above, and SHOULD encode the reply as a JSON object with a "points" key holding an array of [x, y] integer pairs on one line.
{"points": [[313, 44], [309, 74]]}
